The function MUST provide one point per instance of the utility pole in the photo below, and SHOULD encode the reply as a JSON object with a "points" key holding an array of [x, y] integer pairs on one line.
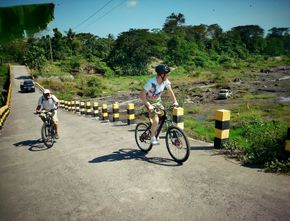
{"points": [[50, 48]]}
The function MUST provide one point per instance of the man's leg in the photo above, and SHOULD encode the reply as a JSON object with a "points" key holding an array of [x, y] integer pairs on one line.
{"points": [[154, 121], [55, 123], [56, 130]]}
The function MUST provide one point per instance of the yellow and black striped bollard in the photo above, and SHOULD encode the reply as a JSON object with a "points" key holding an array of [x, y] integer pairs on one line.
{"points": [[73, 107], [222, 128], [77, 106], [105, 115], [130, 114], [69, 105], [66, 105], [83, 111], [96, 109], [88, 108], [116, 114], [287, 145], [178, 113], [61, 103]]}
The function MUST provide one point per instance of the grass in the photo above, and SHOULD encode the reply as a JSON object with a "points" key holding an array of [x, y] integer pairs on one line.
{"points": [[3, 79]]}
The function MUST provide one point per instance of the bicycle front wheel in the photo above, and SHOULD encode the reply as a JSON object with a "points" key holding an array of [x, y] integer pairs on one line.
{"points": [[47, 135], [177, 144], [143, 137]]}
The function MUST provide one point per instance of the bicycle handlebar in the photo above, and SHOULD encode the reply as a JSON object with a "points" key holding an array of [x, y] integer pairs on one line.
{"points": [[44, 111], [165, 108]]}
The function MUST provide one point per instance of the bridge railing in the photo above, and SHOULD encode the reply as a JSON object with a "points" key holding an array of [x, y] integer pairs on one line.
{"points": [[113, 113], [5, 110]]}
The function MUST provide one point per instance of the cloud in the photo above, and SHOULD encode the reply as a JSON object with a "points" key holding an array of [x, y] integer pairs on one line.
{"points": [[132, 3]]}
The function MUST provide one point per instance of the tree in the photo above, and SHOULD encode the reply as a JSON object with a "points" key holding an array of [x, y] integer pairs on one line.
{"points": [[180, 51], [172, 22], [35, 57], [59, 47], [278, 42], [251, 36], [131, 52], [275, 32]]}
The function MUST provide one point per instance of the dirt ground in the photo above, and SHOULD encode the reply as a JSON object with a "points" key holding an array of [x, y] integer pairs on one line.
{"points": [[273, 85]]}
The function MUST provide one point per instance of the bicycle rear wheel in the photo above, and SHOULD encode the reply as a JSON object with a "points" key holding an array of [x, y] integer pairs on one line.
{"points": [[47, 135], [177, 144], [143, 137]]}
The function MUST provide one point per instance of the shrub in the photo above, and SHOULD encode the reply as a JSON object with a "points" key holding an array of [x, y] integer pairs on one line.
{"points": [[282, 166], [263, 142]]}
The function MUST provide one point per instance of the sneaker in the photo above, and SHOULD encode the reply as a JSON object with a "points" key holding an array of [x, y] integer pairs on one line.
{"points": [[154, 141]]}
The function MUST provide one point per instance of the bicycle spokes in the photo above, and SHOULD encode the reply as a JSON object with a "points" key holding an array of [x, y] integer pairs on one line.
{"points": [[143, 136], [177, 144]]}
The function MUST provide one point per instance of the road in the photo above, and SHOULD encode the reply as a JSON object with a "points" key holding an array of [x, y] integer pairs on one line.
{"points": [[96, 172]]}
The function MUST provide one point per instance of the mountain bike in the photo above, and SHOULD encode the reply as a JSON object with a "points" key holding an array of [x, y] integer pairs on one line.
{"points": [[176, 141], [48, 129]]}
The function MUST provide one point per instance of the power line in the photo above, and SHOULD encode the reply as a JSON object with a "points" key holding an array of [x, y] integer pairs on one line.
{"points": [[106, 13], [93, 14]]}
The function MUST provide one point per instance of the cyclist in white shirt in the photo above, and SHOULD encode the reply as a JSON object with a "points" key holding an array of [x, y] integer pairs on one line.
{"points": [[151, 96], [49, 102]]}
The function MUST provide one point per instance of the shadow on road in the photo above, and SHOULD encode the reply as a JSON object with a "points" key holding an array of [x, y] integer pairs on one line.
{"points": [[24, 77], [201, 148], [34, 145], [133, 154]]}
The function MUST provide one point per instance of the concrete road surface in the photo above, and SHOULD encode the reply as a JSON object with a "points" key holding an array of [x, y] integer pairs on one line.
{"points": [[96, 172]]}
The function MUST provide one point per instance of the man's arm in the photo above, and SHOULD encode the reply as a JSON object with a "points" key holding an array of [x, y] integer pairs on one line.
{"points": [[172, 95], [38, 108], [39, 104]]}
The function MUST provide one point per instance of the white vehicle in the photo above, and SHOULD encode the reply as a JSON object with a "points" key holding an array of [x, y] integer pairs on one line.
{"points": [[224, 94]]}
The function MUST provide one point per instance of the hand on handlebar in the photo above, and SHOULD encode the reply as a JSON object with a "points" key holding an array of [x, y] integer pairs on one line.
{"points": [[175, 104], [150, 108]]}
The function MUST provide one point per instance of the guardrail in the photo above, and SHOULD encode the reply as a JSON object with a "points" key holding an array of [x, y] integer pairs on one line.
{"points": [[5, 110], [39, 86]]}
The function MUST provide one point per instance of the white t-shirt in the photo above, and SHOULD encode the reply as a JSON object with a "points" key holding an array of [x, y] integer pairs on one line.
{"points": [[48, 104], [154, 90]]}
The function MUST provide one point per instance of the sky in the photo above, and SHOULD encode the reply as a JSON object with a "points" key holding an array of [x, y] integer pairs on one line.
{"points": [[104, 17]]}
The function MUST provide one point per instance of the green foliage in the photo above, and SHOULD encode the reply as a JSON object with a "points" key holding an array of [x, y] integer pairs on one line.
{"points": [[31, 18], [263, 141], [194, 129], [3, 80], [131, 53], [172, 22], [278, 166], [35, 57], [179, 51]]}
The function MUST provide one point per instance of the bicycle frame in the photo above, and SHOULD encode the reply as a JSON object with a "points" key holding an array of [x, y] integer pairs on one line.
{"points": [[162, 120], [176, 141]]}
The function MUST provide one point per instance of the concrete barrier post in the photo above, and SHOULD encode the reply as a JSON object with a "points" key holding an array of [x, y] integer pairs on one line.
{"points": [[77, 106], [222, 128], [178, 113], [130, 114], [69, 105], [96, 109], [66, 105], [88, 108], [116, 115], [73, 107], [83, 111], [60, 103], [287, 145], [105, 115]]}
